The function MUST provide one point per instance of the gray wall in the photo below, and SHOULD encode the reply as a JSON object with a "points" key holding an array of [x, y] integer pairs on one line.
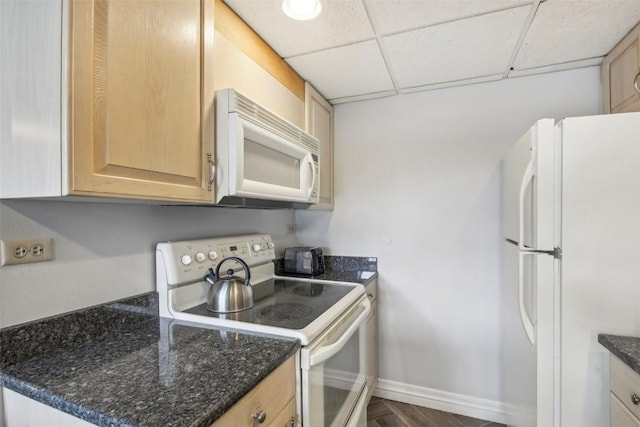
{"points": [[418, 181], [106, 251]]}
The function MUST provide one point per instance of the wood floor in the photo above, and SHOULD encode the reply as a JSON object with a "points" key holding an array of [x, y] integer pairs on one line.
{"points": [[387, 413]]}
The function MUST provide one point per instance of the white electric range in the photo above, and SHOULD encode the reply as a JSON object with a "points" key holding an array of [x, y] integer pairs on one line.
{"points": [[329, 319]]}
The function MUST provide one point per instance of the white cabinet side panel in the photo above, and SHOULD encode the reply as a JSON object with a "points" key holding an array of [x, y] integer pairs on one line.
{"points": [[600, 247], [20, 411], [30, 98]]}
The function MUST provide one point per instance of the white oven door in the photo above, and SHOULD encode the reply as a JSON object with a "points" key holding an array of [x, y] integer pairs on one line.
{"points": [[333, 372], [268, 166]]}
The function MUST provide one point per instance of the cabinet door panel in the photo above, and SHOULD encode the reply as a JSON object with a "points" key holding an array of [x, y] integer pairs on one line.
{"points": [[319, 123], [142, 98], [620, 415], [623, 71], [271, 396], [619, 71]]}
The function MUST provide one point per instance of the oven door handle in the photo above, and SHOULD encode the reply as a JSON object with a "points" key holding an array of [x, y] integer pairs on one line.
{"points": [[323, 353]]}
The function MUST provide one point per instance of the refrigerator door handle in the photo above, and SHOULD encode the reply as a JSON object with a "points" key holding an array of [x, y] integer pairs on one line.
{"points": [[526, 322], [526, 180]]}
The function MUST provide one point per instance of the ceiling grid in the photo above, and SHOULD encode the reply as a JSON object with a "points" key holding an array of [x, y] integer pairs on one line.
{"points": [[362, 49]]}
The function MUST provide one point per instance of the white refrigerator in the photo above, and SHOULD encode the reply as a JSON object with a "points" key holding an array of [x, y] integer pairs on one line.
{"points": [[571, 266]]}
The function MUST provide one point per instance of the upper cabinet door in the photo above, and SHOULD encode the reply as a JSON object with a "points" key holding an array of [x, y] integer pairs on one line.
{"points": [[319, 123], [141, 99], [620, 72]]}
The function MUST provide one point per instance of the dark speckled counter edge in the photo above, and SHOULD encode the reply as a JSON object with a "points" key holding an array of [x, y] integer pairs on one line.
{"points": [[627, 349]]}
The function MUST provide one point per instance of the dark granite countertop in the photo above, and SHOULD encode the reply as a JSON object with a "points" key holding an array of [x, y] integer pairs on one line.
{"points": [[362, 270], [114, 366], [624, 348]]}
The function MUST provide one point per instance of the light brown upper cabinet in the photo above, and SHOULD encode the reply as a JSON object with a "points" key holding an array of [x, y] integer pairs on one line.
{"points": [[142, 98], [319, 123], [128, 94], [620, 73]]}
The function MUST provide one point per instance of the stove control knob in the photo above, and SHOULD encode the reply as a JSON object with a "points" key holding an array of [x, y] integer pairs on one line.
{"points": [[263, 246], [213, 255], [271, 245], [186, 259], [200, 257], [257, 248]]}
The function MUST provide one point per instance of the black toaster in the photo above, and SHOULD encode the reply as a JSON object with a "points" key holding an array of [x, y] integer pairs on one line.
{"points": [[304, 260]]}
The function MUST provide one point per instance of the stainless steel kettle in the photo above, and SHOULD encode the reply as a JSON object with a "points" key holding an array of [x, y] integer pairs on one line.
{"points": [[231, 293]]}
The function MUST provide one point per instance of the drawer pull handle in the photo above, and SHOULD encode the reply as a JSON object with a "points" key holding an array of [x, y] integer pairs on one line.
{"points": [[635, 399], [635, 83], [260, 416], [292, 422]]}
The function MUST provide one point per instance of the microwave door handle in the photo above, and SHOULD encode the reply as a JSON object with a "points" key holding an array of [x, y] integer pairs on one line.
{"points": [[312, 166], [328, 351]]}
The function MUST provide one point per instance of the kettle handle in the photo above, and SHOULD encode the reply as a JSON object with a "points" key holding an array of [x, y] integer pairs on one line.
{"points": [[247, 272]]}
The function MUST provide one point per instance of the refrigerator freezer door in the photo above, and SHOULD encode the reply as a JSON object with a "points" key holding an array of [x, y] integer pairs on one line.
{"points": [[600, 256], [528, 176], [528, 369]]}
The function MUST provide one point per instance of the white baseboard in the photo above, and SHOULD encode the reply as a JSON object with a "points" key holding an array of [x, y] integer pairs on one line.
{"points": [[469, 406]]}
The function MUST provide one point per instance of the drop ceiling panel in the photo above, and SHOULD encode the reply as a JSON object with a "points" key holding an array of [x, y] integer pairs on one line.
{"points": [[351, 70], [429, 44], [341, 22], [570, 30], [393, 16], [464, 49]]}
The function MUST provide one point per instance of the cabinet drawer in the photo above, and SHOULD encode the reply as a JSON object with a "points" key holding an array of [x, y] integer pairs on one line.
{"points": [[270, 396], [625, 382], [286, 417], [620, 415]]}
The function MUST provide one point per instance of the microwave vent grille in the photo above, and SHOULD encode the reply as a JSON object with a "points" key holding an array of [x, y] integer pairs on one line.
{"points": [[260, 116]]}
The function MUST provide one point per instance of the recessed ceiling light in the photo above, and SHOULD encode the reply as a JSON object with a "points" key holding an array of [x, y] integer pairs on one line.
{"points": [[302, 10]]}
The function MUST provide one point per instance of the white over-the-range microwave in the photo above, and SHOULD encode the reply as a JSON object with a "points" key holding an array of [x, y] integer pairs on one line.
{"points": [[263, 160]]}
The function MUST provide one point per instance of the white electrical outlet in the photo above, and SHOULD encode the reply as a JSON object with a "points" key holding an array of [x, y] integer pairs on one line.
{"points": [[24, 251]]}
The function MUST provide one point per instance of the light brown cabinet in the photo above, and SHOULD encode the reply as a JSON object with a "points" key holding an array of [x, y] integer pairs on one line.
{"points": [[272, 401], [625, 395], [620, 74], [319, 123], [141, 98], [108, 98]]}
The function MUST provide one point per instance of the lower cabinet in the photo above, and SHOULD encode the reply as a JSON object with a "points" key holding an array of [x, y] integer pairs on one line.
{"points": [[625, 395], [620, 415], [20, 411], [271, 403]]}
